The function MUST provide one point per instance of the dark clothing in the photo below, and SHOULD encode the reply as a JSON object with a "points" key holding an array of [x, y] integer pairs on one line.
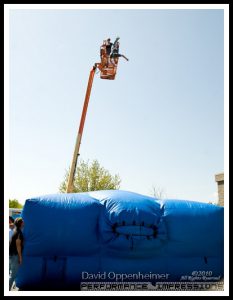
{"points": [[16, 235], [116, 43], [113, 55], [115, 50], [109, 48]]}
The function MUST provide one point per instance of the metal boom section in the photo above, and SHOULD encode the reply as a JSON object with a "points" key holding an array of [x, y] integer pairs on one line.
{"points": [[70, 184]]}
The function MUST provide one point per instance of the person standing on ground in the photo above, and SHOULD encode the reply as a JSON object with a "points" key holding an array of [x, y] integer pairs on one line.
{"points": [[15, 250], [11, 227]]}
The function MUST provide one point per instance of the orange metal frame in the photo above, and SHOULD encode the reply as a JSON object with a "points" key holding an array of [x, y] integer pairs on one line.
{"points": [[108, 70]]}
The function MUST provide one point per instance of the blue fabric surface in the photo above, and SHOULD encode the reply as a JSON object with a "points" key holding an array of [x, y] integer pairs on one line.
{"points": [[68, 236]]}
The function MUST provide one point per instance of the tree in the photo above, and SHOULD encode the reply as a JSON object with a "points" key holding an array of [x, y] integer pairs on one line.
{"points": [[91, 177], [158, 192], [13, 203]]}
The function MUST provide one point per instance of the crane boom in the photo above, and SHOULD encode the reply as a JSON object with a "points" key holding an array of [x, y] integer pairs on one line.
{"points": [[70, 184], [108, 69]]}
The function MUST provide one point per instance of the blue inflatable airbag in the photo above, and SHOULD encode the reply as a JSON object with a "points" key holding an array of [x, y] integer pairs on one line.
{"points": [[89, 237]]}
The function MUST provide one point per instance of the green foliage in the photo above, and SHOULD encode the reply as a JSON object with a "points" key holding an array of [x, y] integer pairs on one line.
{"points": [[14, 204], [91, 177]]}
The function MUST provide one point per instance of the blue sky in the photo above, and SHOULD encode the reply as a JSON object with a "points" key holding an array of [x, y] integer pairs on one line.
{"points": [[159, 123]]}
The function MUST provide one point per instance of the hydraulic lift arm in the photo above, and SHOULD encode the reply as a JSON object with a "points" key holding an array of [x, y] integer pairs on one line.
{"points": [[70, 184], [108, 69]]}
